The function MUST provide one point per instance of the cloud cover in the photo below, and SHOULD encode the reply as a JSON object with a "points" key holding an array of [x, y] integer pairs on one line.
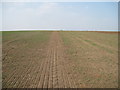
{"points": [[68, 16]]}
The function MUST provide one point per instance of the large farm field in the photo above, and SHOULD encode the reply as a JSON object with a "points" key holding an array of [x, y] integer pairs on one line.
{"points": [[59, 59]]}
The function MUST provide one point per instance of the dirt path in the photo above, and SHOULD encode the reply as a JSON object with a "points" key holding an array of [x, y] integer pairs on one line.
{"points": [[54, 72], [48, 69]]}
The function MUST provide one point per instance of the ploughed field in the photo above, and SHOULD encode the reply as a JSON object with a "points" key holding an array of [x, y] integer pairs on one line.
{"points": [[59, 59]]}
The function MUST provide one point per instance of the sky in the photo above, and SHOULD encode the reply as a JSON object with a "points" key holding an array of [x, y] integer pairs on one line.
{"points": [[59, 15]]}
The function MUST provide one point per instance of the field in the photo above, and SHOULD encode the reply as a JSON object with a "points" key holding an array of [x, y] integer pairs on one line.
{"points": [[59, 59]]}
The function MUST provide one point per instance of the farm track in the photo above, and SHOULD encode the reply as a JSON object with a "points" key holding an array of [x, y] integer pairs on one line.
{"points": [[55, 74], [50, 72]]}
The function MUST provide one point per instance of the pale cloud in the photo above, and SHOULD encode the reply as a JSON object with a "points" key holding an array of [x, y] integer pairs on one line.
{"points": [[51, 16], [46, 8], [18, 17]]}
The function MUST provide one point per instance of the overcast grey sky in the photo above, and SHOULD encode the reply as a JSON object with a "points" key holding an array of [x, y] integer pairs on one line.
{"points": [[60, 15]]}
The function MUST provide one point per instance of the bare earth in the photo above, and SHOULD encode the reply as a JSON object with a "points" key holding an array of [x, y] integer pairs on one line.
{"points": [[50, 64]]}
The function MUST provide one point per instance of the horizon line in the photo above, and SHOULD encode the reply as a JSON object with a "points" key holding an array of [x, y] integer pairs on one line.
{"points": [[57, 30]]}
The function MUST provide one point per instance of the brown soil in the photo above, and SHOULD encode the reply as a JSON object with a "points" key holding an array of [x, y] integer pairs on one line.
{"points": [[107, 32], [89, 64], [46, 69]]}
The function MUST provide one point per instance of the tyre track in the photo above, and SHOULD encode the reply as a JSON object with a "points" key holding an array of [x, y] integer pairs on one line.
{"points": [[67, 67], [57, 76], [68, 80]]}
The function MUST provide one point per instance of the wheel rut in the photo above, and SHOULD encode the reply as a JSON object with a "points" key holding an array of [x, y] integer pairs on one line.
{"points": [[55, 74]]}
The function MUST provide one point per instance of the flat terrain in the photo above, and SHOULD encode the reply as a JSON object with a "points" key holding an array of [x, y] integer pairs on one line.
{"points": [[59, 59]]}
